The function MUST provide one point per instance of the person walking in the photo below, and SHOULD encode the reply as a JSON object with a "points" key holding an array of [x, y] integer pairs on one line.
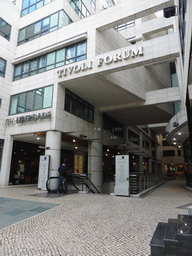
{"points": [[62, 177]]}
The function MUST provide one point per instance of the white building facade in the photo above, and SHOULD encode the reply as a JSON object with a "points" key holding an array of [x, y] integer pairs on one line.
{"points": [[79, 78]]}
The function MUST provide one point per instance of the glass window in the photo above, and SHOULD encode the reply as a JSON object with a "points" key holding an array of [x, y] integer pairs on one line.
{"points": [[37, 27], [70, 54], [13, 106], [39, 4], [32, 2], [45, 25], [32, 8], [5, 29], [91, 115], [46, 1], [33, 67], [42, 63], [2, 67], [21, 103], [17, 70], [81, 49], [78, 107], [22, 35], [50, 60], [30, 101], [31, 5], [25, 4], [86, 111], [60, 57], [25, 69], [79, 8], [63, 19], [29, 32], [24, 12], [38, 99], [54, 21], [47, 100]]}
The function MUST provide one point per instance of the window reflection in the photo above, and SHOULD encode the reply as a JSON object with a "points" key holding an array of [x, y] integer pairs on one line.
{"points": [[32, 100]]}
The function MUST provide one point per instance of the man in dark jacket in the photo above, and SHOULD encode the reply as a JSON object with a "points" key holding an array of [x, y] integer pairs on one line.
{"points": [[62, 177]]}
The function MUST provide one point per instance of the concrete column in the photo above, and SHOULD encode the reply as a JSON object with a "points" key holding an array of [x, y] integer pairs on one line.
{"points": [[95, 154], [53, 148], [95, 164], [6, 161]]}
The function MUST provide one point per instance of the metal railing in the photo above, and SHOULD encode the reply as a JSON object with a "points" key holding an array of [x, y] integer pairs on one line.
{"points": [[142, 181], [79, 181]]}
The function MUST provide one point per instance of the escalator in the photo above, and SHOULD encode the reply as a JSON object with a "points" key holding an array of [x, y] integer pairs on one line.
{"points": [[80, 182]]}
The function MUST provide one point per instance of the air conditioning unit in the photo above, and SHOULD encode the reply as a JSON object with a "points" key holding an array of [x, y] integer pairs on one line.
{"points": [[169, 11]]}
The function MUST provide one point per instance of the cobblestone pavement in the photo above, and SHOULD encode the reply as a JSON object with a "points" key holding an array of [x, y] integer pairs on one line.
{"points": [[92, 225]]}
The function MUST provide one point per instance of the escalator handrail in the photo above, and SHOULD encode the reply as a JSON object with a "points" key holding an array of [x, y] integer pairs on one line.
{"points": [[83, 177]]}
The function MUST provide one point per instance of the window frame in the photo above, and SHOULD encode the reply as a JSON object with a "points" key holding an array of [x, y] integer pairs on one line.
{"points": [[55, 64], [2, 73], [17, 96], [45, 31], [36, 6], [74, 100], [2, 33]]}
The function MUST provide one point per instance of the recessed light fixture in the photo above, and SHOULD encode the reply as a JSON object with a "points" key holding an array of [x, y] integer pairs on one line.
{"points": [[76, 147], [107, 150], [179, 133], [174, 143], [73, 140], [174, 138], [38, 138]]}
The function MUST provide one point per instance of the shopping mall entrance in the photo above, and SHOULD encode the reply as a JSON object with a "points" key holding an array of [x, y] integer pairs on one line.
{"points": [[25, 162]]}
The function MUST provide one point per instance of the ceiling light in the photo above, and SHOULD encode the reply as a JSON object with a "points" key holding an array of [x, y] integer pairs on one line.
{"points": [[76, 147], [73, 140], [179, 133], [174, 143], [38, 138], [174, 138]]}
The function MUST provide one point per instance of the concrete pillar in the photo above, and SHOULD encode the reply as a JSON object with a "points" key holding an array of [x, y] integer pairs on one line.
{"points": [[95, 154], [95, 164], [6, 161], [53, 148]]}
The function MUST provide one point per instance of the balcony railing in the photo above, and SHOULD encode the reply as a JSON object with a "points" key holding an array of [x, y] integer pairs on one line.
{"points": [[143, 181]]}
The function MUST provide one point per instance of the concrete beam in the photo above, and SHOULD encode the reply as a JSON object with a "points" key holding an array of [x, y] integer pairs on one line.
{"points": [[152, 98], [165, 48], [128, 12]]}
